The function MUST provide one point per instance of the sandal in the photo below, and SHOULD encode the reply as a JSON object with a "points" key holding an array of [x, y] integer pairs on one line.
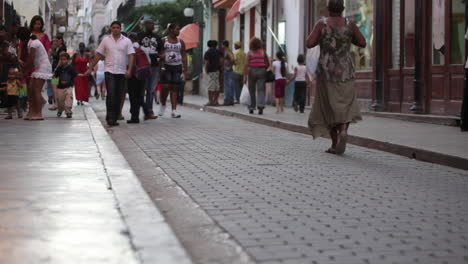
{"points": [[330, 151], [341, 146]]}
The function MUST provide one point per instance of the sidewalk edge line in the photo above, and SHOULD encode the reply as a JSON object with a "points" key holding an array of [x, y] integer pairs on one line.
{"points": [[150, 234], [409, 152]]}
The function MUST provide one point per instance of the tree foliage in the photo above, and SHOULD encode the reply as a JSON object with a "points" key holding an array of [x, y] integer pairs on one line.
{"points": [[162, 13]]}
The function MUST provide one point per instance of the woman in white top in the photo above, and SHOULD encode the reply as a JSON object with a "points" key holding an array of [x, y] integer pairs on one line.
{"points": [[279, 68], [38, 58], [100, 79], [300, 88]]}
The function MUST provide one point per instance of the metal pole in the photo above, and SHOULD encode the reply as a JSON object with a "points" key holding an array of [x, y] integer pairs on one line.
{"points": [[377, 105], [417, 106]]}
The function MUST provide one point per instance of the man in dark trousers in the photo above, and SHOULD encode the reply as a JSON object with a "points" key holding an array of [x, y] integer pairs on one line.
{"points": [[152, 44]]}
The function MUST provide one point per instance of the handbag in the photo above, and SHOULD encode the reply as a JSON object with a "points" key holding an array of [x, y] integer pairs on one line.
{"points": [[312, 60], [270, 76], [143, 66]]}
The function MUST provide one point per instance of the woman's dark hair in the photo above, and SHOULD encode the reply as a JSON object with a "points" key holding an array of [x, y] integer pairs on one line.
{"points": [[116, 23], [301, 59], [3, 28], [34, 20], [256, 44], [24, 34], [172, 26], [336, 6], [280, 55], [226, 43]]}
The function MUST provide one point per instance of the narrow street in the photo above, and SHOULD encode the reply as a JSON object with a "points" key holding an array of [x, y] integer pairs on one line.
{"points": [[283, 200]]}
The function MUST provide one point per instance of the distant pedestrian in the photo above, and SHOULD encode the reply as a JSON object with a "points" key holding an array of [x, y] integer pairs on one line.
{"points": [[80, 63], [119, 53], [255, 73], [279, 68], [152, 43], [335, 104], [39, 59], [136, 86], [300, 86], [213, 61], [12, 87], [239, 66], [58, 47], [228, 74], [174, 69], [66, 74], [100, 80]]}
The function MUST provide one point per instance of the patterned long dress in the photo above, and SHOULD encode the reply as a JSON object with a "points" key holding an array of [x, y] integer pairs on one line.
{"points": [[335, 100], [81, 82]]}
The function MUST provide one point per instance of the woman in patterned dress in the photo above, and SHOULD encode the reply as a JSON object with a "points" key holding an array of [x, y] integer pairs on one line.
{"points": [[335, 105]]}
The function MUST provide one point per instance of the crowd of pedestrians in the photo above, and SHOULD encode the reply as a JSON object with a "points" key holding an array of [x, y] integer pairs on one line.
{"points": [[137, 64]]}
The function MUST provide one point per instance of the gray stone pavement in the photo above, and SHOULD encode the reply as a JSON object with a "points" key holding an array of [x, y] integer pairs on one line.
{"points": [[435, 143], [68, 196], [286, 201]]}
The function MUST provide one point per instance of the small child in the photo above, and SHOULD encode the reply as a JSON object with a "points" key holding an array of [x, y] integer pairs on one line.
{"points": [[279, 68], [12, 87], [66, 73], [300, 87]]}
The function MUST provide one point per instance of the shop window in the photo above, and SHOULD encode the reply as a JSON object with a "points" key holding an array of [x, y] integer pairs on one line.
{"points": [[362, 13], [438, 32], [457, 27], [409, 33], [396, 23]]}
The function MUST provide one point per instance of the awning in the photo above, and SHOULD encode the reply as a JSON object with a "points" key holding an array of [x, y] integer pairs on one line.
{"points": [[246, 5], [189, 34], [234, 11]]}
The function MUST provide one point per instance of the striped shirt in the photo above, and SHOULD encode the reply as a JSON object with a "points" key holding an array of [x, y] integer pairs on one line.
{"points": [[257, 59]]}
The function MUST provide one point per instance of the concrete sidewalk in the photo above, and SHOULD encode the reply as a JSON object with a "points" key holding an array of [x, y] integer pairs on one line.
{"points": [[69, 196], [439, 144]]}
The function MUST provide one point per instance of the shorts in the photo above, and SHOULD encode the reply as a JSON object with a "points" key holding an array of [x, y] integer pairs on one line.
{"points": [[12, 100], [280, 86], [172, 74], [213, 81], [99, 77]]}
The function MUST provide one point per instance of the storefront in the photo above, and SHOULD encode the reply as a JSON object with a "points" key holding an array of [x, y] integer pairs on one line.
{"points": [[388, 68]]}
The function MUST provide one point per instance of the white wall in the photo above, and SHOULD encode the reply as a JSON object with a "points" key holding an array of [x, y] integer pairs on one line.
{"points": [[294, 16]]}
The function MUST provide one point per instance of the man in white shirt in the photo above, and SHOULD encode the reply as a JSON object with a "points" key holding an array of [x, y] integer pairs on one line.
{"points": [[119, 53]]}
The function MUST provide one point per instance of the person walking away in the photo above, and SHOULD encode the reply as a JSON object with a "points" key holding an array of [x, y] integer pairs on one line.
{"points": [[80, 62], [239, 65], [119, 53], [213, 61], [66, 75], [39, 59], [58, 46], [300, 86], [335, 103], [151, 42], [174, 61], [100, 83], [136, 84], [228, 74], [279, 68], [255, 72], [12, 87]]}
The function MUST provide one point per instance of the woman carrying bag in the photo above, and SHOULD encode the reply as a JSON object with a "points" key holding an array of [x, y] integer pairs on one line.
{"points": [[255, 69]]}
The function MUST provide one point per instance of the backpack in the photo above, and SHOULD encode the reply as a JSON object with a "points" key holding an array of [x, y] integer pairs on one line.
{"points": [[143, 66]]}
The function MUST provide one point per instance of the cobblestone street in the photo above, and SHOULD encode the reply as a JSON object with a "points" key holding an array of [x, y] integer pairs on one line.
{"points": [[286, 201]]}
